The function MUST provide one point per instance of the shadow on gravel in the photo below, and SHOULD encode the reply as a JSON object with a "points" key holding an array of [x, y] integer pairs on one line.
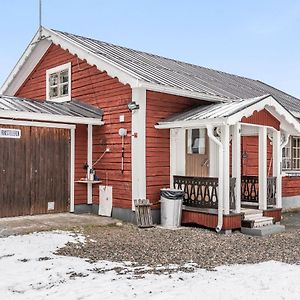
{"points": [[291, 220]]}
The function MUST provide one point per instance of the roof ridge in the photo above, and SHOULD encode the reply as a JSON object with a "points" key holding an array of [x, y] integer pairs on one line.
{"points": [[281, 91]]}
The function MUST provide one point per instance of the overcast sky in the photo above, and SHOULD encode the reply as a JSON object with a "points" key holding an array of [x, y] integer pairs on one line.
{"points": [[259, 39]]}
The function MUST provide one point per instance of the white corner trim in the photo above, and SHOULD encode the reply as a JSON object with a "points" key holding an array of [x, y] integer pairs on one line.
{"points": [[138, 145], [67, 66], [90, 163], [72, 171]]}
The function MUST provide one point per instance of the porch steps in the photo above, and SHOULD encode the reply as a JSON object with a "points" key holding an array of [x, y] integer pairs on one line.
{"points": [[253, 218]]}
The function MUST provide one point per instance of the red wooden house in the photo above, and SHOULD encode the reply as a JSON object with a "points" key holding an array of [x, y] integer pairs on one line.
{"points": [[218, 136]]}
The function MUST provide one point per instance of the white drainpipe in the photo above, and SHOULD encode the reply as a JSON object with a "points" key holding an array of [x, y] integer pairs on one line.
{"points": [[221, 176]]}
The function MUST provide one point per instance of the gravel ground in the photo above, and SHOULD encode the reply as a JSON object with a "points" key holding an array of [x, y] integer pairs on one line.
{"points": [[158, 247]]}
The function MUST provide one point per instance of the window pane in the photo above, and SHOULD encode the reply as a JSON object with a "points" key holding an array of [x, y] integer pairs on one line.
{"points": [[53, 80], [53, 92], [64, 90], [64, 76], [196, 141]]}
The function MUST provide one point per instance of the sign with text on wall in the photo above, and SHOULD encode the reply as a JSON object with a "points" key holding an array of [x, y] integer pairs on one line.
{"points": [[10, 133]]}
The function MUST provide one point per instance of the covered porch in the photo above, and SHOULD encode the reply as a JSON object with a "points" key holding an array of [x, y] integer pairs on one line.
{"points": [[206, 161]]}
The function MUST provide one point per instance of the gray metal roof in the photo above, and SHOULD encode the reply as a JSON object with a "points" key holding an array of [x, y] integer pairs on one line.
{"points": [[72, 108], [168, 72], [213, 111]]}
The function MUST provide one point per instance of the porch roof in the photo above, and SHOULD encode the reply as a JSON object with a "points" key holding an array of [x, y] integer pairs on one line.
{"points": [[232, 112], [74, 111]]}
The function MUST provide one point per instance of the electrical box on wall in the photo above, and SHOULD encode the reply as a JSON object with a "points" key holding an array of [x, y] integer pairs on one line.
{"points": [[105, 200], [122, 119]]}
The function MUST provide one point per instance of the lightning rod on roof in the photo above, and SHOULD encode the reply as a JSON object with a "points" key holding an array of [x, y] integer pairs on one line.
{"points": [[40, 19]]}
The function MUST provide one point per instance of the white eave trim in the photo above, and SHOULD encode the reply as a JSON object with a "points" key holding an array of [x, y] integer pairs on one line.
{"points": [[25, 65], [287, 121], [49, 118], [296, 114], [113, 70], [180, 92], [275, 108], [36, 49]]}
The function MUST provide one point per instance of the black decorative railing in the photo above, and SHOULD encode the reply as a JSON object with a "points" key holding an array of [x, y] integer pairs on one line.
{"points": [[232, 194], [198, 191], [271, 190], [202, 192], [249, 189]]}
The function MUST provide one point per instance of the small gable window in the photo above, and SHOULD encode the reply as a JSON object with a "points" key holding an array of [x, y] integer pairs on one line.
{"points": [[58, 83]]}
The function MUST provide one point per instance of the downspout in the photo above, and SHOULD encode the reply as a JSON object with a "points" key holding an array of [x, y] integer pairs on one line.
{"points": [[221, 176]]}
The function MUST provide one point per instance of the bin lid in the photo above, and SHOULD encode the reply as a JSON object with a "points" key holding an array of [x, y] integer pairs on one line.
{"points": [[171, 194]]}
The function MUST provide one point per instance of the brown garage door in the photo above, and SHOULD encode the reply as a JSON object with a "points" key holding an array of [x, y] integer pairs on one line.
{"points": [[34, 171]]}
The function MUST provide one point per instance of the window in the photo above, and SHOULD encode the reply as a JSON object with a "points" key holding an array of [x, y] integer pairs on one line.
{"points": [[291, 154], [58, 82], [196, 141]]}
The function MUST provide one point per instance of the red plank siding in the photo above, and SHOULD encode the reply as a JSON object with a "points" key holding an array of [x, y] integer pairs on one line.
{"points": [[262, 117], [160, 106], [274, 213], [96, 88], [250, 144], [290, 186], [211, 220]]}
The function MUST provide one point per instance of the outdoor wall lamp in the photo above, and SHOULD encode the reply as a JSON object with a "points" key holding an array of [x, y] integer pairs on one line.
{"points": [[133, 106]]}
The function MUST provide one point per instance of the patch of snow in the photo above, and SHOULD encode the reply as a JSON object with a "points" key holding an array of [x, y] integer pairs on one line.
{"points": [[30, 270]]}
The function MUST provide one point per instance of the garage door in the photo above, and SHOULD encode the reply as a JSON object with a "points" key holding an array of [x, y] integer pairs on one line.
{"points": [[34, 170]]}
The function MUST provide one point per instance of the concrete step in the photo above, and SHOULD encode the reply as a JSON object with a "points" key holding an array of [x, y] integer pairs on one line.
{"points": [[263, 222], [250, 211], [263, 231], [256, 221], [254, 216]]}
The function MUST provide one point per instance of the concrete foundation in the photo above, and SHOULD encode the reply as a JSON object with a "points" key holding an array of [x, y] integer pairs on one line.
{"points": [[264, 230], [289, 203], [124, 214]]}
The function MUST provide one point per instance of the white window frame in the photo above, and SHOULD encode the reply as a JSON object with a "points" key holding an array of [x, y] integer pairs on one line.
{"points": [[291, 157], [64, 67], [202, 135]]}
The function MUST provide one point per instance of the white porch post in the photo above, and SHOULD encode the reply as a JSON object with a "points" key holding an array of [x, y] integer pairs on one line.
{"points": [[225, 137], [277, 157], [262, 169], [236, 163], [90, 163], [177, 153]]}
